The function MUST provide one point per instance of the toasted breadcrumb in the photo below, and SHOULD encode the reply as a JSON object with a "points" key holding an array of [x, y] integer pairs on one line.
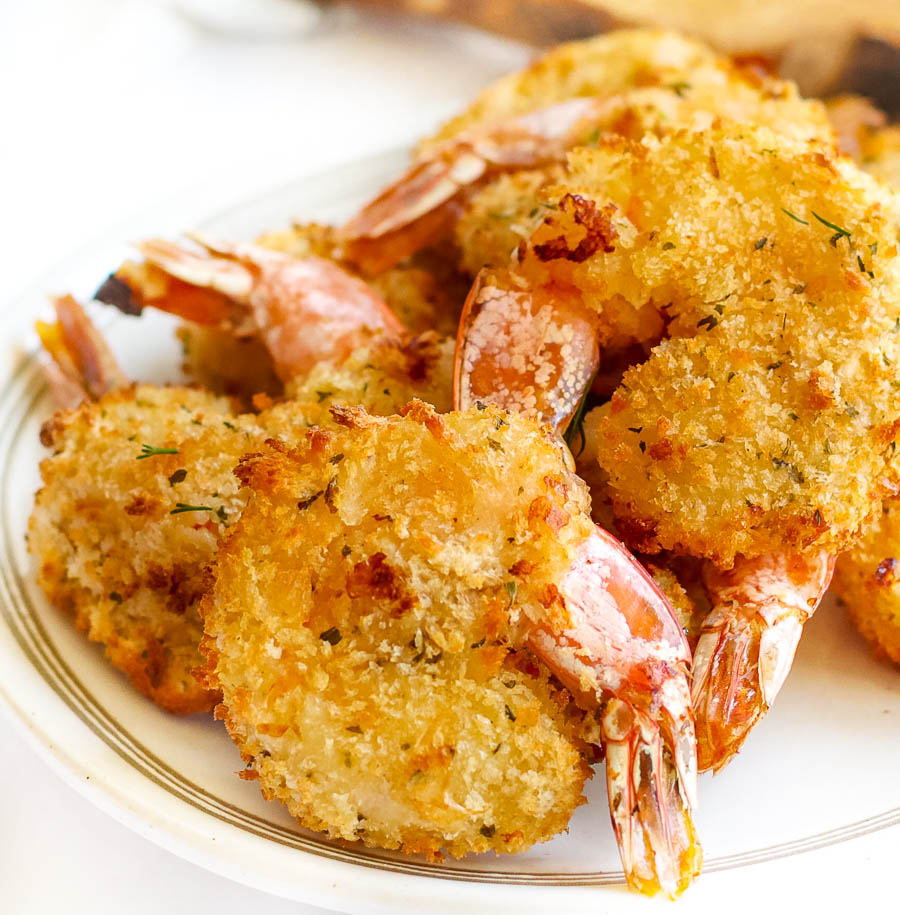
{"points": [[364, 628], [635, 59], [108, 547], [867, 579], [767, 418]]}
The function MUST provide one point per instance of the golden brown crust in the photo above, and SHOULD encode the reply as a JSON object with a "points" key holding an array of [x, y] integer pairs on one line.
{"points": [[363, 628], [108, 548], [629, 60], [764, 419], [867, 579]]}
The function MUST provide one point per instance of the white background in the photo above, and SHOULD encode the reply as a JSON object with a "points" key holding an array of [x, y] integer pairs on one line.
{"points": [[106, 109]]}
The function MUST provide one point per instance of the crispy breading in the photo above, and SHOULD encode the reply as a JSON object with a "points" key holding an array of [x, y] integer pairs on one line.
{"points": [[765, 418], [867, 579], [381, 377], [107, 545], [364, 627], [500, 216], [638, 59]]}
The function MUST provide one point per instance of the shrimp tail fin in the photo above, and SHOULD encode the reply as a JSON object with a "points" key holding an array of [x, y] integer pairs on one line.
{"points": [[649, 811], [81, 365], [747, 645]]}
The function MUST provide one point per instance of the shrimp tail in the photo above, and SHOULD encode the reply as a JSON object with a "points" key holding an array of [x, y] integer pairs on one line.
{"points": [[747, 645], [418, 207], [81, 365], [524, 350], [648, 808], [623, 652]]}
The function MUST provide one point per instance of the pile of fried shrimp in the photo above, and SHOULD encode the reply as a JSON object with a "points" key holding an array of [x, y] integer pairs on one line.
{"points": [[539, 463]]}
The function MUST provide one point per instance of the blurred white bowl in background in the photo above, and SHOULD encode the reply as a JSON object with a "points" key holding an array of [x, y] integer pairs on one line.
{"points": [[252, 18]]}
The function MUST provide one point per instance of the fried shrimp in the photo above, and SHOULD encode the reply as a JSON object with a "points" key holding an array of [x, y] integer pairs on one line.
{"points": [[634, 59], [383, 622], [134, 499], [229, 353], [768, 415], [139, 489], [759, 433]]}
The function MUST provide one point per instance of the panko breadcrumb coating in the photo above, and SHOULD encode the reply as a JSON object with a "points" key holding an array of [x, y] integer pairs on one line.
{"points": [[638, 59], [867, 579], [500, 216], [108, 546], [364, 629], [768, 415]]}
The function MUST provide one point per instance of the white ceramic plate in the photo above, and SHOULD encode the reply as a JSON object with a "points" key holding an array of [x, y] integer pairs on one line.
{"points": [[808, 804]]}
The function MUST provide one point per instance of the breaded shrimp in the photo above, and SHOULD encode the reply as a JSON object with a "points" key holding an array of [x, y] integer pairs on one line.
{"points": [[134, 499], [759, 434], [382, 623], [425, 294], [634, 59], [765, 417], [140, 487]]}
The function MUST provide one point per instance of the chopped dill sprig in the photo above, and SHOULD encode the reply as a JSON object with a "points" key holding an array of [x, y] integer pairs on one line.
{"points": [[150, 451], [795, 217], [181, 507]]}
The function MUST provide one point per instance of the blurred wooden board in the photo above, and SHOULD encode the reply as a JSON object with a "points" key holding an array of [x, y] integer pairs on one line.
{"points": [[827, 46]]}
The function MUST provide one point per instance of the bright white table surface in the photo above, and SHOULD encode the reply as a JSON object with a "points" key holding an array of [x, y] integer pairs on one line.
{"points": [[106, 109]]}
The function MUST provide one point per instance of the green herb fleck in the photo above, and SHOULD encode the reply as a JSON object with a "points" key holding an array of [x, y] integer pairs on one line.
{"points": [[354, 729], [150, 451], [760, 243], [229, 425], [795, 217], [221, 514], [336, 459], [115, 597], [184, 507], [495, 444], [345, 550], [178, 476], [511, 588], [839, 231], [488, 831], [510, 713], [710, 321]]}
